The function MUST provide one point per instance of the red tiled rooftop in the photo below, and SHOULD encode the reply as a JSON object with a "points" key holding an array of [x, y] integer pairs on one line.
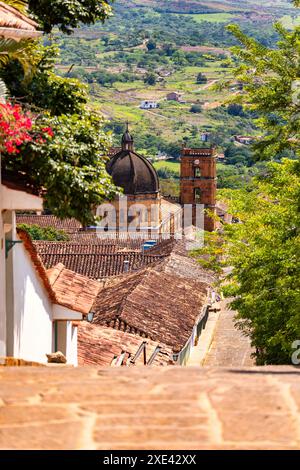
{"points": [[73, 290], [14, 24], [64, 287], [68, 225], [99, 346], [94, 261], [153, 304], [10, 17]]}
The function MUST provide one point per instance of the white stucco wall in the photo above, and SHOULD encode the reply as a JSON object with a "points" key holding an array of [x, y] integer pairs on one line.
{"points": [[10, 200], [64, 313], [67, 341], [2, 288], [72, 355], [67, 333], [32, 310], [19, 200]]}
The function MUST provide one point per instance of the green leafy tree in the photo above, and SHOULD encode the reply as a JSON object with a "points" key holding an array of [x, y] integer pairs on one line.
{"points": [[70, 163], [201, 78], [196, 108], [263, 247], [264, 252], [68, 14], [44, 233], [150, 79], [272, 89], [43, 88], [151, 45]]}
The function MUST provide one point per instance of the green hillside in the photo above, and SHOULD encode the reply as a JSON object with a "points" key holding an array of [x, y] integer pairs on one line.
{"points": [[151, 48]]}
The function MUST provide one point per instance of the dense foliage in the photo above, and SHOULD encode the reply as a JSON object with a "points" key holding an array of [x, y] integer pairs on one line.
{"points": [[264, 252], [263, 248], [44, 233], [272, 87], [70, 163], [68, 14]]}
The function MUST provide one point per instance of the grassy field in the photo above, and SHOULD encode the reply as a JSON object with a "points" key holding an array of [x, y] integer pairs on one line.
{"points": [[173, 166], [213, 17], [172, 120]]}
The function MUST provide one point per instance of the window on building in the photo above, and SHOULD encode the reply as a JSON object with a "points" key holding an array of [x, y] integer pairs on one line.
{"points": [[197, 172], [197, 196]]}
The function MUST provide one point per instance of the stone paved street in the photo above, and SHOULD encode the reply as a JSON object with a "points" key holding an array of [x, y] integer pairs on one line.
{"points": [[149, 408], [229, 348]]}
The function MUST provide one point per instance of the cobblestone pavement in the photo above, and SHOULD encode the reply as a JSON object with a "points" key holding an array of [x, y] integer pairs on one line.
{"points": [[149, 408], [229, 348]]}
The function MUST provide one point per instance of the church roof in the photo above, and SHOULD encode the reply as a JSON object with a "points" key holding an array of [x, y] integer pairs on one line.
{"points": [[131, 171]]}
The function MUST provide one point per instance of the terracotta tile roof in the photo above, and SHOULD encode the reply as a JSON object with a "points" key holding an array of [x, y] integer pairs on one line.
{"points": [[68, 225], [14, 24], [153, 304], [73, 290], [99, 346], [63, 287], [88, 237], [61, 248], [93, 261], [186, 267]]}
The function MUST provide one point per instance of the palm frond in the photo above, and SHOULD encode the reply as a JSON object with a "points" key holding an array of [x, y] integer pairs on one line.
{"points": [[3, 91], [20, 5], [15, 50]]}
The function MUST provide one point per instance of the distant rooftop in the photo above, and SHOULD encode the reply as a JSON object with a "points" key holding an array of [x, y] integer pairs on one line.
{"points": [[154, 304]]}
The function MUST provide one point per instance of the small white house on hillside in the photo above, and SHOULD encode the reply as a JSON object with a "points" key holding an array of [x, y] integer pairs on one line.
{"points": [[149, 105]]}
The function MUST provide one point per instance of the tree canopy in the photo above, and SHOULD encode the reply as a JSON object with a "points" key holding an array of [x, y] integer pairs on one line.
{"points": [[264, 252], [68, 14], [271, 79], [263, 247], [70, 163]]}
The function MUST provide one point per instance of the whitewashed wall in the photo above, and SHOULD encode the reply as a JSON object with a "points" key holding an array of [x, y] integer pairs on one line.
{"points": [[32, 334], [10, 200], [72, 351], [2, 287]]}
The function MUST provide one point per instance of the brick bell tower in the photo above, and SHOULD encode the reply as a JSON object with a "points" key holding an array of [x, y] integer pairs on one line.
{"points": [[198, 181]]}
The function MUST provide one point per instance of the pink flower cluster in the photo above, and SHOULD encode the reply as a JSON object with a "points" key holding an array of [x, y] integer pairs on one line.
{"points": [[15, 127]]}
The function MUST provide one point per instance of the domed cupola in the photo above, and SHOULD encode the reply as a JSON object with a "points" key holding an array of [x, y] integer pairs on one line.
{"points": [[131, 171]]}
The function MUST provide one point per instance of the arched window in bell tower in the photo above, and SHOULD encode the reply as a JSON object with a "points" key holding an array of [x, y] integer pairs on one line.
{"points": [[197, 196], [197, 172]]}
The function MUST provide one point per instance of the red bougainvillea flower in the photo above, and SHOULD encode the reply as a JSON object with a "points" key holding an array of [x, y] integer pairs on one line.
{"points": [[48, 131], [16, 129]]}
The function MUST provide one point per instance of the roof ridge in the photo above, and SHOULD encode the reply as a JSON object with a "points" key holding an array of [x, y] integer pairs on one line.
{"points": [[20, 15], [54, 273], [139, 275], [38, 263]]}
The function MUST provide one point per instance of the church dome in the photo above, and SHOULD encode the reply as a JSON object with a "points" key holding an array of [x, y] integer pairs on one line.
{"points": [[131, 171]]}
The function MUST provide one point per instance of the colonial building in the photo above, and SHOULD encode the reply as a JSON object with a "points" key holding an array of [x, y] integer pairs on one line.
{"points": [[143, 209], [198, 184]]}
